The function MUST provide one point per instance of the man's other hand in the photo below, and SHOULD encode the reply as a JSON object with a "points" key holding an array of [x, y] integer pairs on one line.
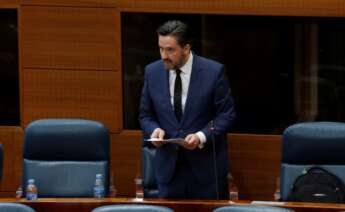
{"points": [[192, 142], [159, 134]]}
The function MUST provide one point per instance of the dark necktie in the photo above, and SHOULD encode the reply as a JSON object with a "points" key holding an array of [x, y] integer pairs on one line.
{"points": [[178, 95]]}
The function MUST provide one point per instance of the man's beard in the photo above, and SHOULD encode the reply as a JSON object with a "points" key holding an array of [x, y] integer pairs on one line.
{"points": [[168, 64]]}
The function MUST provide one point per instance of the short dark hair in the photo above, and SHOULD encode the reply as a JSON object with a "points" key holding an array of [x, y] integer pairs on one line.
{"points": [[177, 29]]}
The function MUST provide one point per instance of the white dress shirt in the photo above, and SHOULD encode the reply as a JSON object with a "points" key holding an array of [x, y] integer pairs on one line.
{"points": [[186, 71]]}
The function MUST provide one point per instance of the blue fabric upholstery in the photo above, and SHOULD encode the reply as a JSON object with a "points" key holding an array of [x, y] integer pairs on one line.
{"points": [[251, 208], [64, 156], [311, 144], [132, 208], [15, 207], [148, 172]]}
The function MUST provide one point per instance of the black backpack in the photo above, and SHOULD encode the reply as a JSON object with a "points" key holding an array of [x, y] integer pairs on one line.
{"points": [[317, 185]]}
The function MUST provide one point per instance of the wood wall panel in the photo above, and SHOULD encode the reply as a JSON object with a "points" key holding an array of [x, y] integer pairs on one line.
{"points": [[79, 3], [69, 38], [255, 164], [11, 139], [74, 94], [125, 160], [9, 3], [248, 7], [240, 7]]}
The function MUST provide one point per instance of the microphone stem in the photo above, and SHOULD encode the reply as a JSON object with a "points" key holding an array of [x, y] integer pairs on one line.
{"points": [[214, 158]]}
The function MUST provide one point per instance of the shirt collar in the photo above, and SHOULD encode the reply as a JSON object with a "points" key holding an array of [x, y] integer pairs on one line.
{"points": [[187, 67]]}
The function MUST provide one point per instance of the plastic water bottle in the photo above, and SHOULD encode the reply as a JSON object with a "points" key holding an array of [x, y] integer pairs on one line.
{"points": [[19, 192], [31, 190], [98, 190], [139, 191], [233, 190], [276, 194], [112, 189]]}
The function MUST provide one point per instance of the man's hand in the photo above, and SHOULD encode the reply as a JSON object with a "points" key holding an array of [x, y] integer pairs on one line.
{"points": [[159, 134], [192, 141]]}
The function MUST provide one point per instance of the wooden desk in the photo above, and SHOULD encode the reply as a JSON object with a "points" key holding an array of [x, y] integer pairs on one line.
{"points": [[87, 204]]}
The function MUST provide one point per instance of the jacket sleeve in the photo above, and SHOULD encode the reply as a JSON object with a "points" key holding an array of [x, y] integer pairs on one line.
{"points": [[224, 108], [147, 114]]}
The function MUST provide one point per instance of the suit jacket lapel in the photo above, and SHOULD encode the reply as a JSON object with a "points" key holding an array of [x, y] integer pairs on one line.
{"points": [[193, 86]]}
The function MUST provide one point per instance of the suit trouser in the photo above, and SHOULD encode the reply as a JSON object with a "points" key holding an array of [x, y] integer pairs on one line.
{"points": [[184, 184]]}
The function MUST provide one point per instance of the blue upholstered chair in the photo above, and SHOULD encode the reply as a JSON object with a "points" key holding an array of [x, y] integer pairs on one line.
{"points": [[148, 172], [132, 208], [251, 208], [311, 144], [15, 207], [64, 156]]}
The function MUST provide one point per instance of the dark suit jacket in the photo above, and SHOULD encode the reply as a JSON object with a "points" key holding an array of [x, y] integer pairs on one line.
{"points": [[209, 108]]}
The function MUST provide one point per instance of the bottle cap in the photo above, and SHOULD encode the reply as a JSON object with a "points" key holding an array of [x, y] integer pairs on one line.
{"points": [[138, 181], [31, 181]]}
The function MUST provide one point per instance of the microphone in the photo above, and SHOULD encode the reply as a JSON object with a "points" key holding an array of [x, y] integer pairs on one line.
{"points": [[213, 140]]}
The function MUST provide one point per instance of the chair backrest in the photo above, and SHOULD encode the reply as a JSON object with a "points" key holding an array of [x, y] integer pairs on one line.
{"points": [[148, 172], [64, 156], [15, 207], [251, 208], [132, 208], [311, 144]]}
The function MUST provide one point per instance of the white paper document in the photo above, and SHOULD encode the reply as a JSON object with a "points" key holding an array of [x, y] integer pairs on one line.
{"points": [[171, 140], [256, 202]]}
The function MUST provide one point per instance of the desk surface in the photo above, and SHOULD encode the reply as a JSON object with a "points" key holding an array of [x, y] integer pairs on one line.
{"points": [[87, 204]]}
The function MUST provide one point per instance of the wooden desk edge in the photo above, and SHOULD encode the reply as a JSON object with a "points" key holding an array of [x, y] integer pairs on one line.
{"points": [[204, 204]]}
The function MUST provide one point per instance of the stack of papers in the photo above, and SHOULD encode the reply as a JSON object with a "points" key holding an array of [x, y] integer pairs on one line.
{"points": [[171, 140]]}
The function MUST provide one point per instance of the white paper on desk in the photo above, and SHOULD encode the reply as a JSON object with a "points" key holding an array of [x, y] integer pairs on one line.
{"points": [[171, 140], [256, 202]]}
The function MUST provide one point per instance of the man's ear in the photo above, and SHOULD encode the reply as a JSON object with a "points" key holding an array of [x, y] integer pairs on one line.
{"points": [[187, 47]]}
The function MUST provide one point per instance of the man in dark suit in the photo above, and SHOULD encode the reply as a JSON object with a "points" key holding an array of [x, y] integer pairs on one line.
{"points": [[187, 96]]}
